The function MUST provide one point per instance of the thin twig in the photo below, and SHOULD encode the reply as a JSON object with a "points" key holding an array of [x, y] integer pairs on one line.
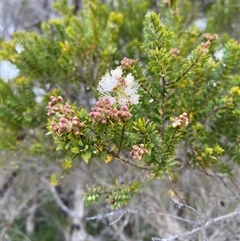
{"points": [[210, 222], [114, 154], [121, 140], [113, 213]]}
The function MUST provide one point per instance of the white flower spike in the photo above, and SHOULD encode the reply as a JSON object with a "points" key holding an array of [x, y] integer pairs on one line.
{"points": [[119, 89]]}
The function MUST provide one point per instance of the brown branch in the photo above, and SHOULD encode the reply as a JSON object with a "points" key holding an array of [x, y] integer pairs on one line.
{"points": [[184, 73], [117, 156], [121, 140]]}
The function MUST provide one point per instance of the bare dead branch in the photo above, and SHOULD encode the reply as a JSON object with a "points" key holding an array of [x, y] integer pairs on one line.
{"points": [[58, 200], [209, 223]]}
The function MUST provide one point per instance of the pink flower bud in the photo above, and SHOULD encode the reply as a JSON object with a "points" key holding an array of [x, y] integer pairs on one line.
{"points": [[115, 115], [54, 100], [124, 108], [54, 128], [97, 114], [107, 101], [135, 147], [60, 98], [108, 106], [75, 122], [99, 109], [104, 121], [81, 125], [63, 120]]}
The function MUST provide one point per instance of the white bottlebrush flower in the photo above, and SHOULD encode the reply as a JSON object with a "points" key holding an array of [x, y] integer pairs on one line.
{"points": [[134, 99], [119, 89], [107, 83], [116, 73]]}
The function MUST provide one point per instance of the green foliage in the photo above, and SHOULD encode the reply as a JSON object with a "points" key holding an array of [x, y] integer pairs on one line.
{"points": [[176, 67]]}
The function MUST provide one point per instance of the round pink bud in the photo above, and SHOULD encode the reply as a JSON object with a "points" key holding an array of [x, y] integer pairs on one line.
{"points": [[75, 122], [124, 108], [99, 103], [54, 100], [129, 115], [81, 125], [135, 147], [77, 133], [54, 128], [60, 98], [97, 114], [115, 115], [104, 121], [99, 109], [107, 101], [107, 112], [108, 106], [63, 120]]}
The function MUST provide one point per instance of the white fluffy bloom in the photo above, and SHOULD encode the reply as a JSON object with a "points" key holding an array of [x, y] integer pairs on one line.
{"points": [[116, 73], [107, 83], [119, 89]]}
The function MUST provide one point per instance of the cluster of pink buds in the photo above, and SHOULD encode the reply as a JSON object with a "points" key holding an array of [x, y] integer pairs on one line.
{"points": [[67, 125], [54, 105], [66, 120], [180, 121], [138, 151], [125, 62], [104, 111]]}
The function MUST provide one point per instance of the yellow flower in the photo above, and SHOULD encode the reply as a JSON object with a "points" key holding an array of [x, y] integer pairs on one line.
{"points": [[54, 180], [235, 90], [67, 164], [209, 151]]}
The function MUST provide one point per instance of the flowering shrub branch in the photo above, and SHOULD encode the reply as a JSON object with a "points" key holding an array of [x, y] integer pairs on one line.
{"points": [[134, 120]]}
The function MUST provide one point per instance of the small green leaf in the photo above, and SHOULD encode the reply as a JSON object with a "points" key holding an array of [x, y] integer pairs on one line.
{"points": [[49, 133], [86, 156], [75, 150], [80, 143], [60, 146]]}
